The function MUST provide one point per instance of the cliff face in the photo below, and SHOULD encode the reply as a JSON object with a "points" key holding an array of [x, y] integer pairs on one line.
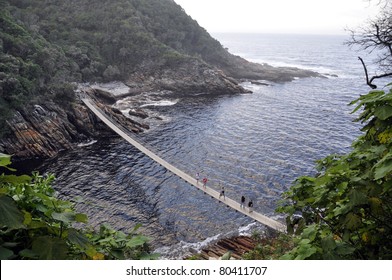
{"points": [[46, 130]]}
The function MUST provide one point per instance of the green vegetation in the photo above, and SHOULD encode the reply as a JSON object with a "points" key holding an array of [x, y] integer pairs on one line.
{"points": [[34, 224], [48, 44], [346, 210], [269, 248]]}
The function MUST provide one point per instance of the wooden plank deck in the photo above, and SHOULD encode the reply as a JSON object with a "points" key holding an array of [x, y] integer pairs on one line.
{"points": [[192, 181]]}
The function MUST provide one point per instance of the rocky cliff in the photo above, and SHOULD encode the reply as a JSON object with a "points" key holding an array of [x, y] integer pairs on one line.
{"points": [[48, 129]]}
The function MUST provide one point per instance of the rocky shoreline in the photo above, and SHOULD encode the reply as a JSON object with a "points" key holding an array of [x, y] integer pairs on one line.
{"points": [[47, 129]]}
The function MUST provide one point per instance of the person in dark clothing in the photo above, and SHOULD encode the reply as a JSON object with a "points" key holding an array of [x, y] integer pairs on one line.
{"points": [[250, 205], [242, 205], [222, 193]]}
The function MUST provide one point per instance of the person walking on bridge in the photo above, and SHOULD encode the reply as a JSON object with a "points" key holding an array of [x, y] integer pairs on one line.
{"points": [[222, 193], [242, 205], [205, 180], [250, 205], [197, 178]]}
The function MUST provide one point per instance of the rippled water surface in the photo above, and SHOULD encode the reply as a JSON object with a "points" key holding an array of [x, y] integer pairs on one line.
{"points": [[253, 144]]}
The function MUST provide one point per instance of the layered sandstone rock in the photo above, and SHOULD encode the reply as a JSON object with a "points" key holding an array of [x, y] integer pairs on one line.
{"points": [[48, 129]]}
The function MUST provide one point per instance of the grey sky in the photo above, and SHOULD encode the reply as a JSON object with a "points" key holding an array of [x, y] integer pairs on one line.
{"points": [[279, 16]]}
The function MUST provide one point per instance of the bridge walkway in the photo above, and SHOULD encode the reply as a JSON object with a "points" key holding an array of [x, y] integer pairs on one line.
{"points": [[192, 181]]}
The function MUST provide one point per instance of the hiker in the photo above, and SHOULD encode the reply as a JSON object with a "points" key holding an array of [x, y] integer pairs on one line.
{"points": [[222, 193], [242, 205], [205, 180], [250, 205]]}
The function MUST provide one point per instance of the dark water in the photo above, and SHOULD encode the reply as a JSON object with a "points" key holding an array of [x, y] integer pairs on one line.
{"points": [[254, 144]]}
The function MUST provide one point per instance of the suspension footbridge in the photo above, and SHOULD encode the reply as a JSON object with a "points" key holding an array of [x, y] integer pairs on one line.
{"points": [[191, 180]]}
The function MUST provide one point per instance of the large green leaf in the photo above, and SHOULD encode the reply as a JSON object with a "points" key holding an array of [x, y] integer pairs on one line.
{"points": [[357, 198], [305, 250], [50, 248], [66, 217], [81, 218], [5, 253], [27, 253], [383, 112], [383, 168], [14, 179], [10, 216], [310, 232], [344, 249], [78, 239], [118, 254], [5, 160], [328, 243], [138, 240]]}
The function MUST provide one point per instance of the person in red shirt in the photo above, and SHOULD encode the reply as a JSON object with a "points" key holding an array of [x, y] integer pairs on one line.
{"points": [[205, 180]]}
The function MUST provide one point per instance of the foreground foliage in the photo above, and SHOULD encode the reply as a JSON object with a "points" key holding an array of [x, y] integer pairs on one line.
{"points": [[34, 224], [345, 212], [269, 247]]}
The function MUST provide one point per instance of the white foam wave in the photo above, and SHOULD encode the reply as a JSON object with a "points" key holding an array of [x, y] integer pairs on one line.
{"points": [[183, 249], [319, 69], [89, 143], [160, 103]]}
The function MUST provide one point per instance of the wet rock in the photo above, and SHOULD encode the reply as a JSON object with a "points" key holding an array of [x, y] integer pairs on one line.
{"points": [[259, 83], [104, 96], [138, 113]]}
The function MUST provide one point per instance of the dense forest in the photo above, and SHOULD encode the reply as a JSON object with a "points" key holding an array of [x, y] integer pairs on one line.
{"points": [[45, 45]]}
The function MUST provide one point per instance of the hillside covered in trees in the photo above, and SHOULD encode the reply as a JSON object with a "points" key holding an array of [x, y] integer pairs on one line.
{"points": [[151, 45]]}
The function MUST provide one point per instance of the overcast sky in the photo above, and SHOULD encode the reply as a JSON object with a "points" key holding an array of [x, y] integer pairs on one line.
{"points": [[279, 16]]}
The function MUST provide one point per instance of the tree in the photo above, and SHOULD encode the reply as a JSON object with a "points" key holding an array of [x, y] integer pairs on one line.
{"points": [[376, 36]]}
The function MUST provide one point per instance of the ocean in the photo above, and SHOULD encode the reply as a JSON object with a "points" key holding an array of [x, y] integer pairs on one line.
{"points": [[255, 145]]}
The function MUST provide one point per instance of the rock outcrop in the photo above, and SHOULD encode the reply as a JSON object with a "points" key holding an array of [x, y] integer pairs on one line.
{"points": [[239, 68], [186, 77], [48, 129]]}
